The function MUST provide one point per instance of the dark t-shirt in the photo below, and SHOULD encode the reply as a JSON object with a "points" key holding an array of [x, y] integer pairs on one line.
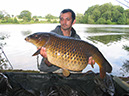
{"points": [[43, 67]]}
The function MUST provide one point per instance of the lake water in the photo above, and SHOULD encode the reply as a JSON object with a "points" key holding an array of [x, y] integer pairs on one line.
{"points": [[112, 41]]}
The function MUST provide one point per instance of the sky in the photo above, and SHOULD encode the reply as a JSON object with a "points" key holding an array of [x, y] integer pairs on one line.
{"points": [[53, 7]]}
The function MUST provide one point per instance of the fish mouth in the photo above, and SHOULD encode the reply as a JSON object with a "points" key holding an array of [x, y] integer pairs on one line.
{"points": [[27, 39]]}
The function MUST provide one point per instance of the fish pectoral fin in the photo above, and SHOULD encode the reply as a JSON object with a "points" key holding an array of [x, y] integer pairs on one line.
{"points": [[102, 73], [66, 72], [92, 65], [37, 52]]}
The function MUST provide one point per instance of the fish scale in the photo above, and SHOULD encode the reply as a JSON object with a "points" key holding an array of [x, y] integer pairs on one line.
{"points": [[71, 64], [69, 53]]}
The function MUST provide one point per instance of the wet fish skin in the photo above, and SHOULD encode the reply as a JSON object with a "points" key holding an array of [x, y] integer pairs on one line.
{"points": [[69, 53]]}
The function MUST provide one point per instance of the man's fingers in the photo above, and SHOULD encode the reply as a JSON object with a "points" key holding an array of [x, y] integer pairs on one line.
{"points": [[43, 52], [91, 61]]}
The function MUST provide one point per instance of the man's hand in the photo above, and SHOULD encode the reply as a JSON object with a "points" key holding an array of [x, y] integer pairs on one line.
{"points": [[44, 54], [91, 61]]}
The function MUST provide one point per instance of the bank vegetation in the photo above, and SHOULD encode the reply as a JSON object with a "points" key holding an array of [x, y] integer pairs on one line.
{"points": [[97, 14]]}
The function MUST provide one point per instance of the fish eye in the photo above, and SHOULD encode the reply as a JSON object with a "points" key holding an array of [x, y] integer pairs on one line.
{"points": [[36, 36]]}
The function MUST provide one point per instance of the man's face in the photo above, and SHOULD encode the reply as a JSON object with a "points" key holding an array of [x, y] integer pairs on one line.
{"points": [[66, 20]]}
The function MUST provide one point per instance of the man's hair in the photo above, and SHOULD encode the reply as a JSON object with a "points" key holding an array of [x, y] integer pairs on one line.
{"points": [[71, 11]]}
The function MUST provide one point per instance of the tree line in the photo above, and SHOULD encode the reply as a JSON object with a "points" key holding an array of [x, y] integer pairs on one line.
{"points": [[97, 14], [26, 17]]}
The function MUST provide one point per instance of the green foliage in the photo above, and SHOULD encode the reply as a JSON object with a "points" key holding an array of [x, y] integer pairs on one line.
{"points": [[105, 7], [85, 19], [79, 18], [127, 21], [1, 15], [15, 21], [90, 21], [49, 16], [106, 14], [54, 21], [25, 15], [116, 15], [122, 19], [108, 22], [101, 21], [127, 13], [97, 14]]}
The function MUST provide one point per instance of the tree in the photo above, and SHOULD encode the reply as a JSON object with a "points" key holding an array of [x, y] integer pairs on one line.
{"points": [[90, 20], [120, 9], [1, 15], [122, 19], [116, 15], [85, 19], [117, 12], [7, 19], [39, 17], [127, 13], [91, 9], [25, 15], [79, 18], [96, 14], [107, 15], [49, 16], [105, 7], [15, 20], [35, 17]]}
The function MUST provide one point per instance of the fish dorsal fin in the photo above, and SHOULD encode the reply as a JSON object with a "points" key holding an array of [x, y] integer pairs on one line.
{"points": [[66, 72]]}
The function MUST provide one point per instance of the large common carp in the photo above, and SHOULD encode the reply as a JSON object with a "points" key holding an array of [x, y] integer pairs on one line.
{"points": [[69, 53]]}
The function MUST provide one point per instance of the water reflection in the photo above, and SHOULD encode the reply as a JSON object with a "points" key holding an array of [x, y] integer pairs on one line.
{"points": [[25, 33], [115, 35], [106, 39], [109, 39], [108, 29], [126, 48], [125, 66], [3, 61], [2, 39]]}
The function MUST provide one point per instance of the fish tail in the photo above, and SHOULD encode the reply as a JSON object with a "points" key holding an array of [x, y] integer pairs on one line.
{"points": [[102, 73], [104, 65], [107, 66]]}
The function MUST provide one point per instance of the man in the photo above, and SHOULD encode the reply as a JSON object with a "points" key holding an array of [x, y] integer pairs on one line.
{"points": [[67, 19]]}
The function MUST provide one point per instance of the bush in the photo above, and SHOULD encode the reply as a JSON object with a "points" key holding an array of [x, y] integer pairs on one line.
{"points": [[90, 21], [108, 22], [101, 21]]}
